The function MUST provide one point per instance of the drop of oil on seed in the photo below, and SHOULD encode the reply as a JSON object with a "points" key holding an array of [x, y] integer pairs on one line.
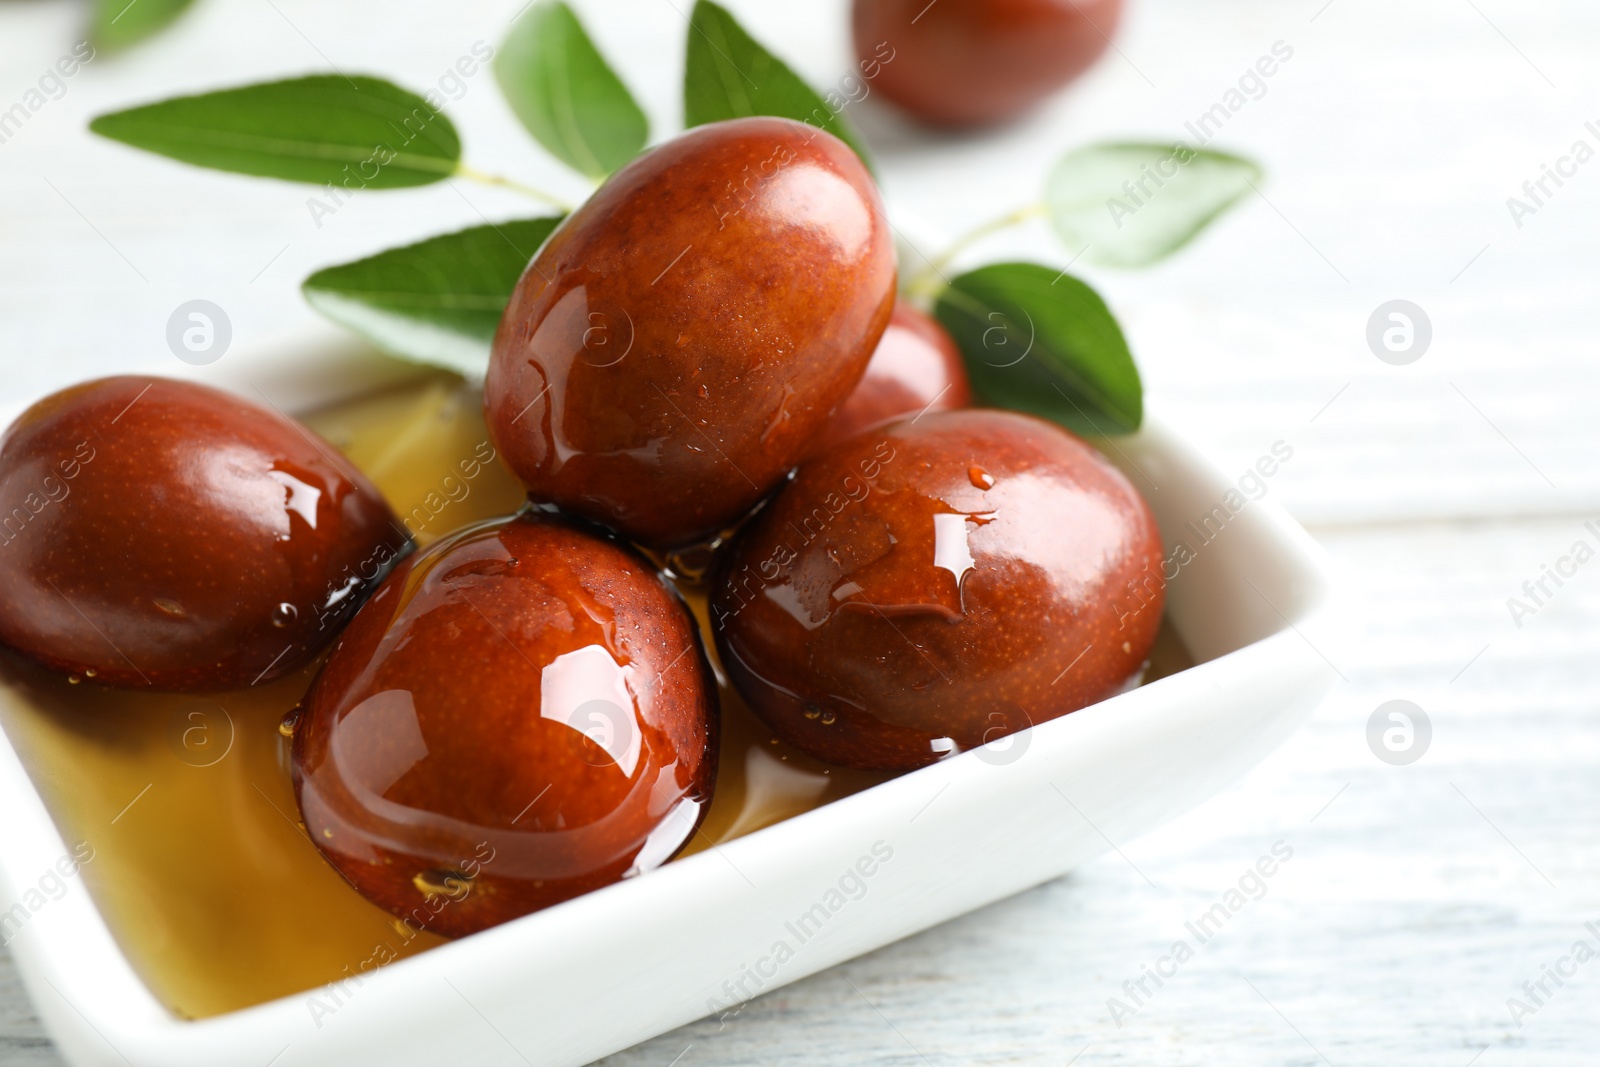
{"points": [[980, 478], [440, 883], [690, 564], [284, 614]]}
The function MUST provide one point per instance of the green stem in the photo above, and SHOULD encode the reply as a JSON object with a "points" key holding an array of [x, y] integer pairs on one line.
{"points": [[506, 183], [928, 281]]}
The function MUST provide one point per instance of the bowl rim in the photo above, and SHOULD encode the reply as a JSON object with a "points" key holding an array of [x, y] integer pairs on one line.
{"points": [[81, 982]]}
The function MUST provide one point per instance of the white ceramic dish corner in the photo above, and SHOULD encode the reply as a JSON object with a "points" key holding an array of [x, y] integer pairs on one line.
{"points": [[597, 974]]}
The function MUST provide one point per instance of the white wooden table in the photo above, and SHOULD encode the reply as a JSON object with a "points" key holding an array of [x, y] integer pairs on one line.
{"points": [[1419, 898]]}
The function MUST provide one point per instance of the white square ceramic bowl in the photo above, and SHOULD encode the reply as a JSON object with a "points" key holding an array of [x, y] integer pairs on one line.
{"points": [[602, 972]]}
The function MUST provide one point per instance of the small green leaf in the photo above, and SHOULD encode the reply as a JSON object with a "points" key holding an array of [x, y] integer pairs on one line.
{"points": [[356, 132], [437, 301], [118, 24], [1129, 205], [561, 88], [1038, 341], [728, 75]]}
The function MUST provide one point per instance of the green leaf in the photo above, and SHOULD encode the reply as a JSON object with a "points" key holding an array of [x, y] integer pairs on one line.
{"points": [[561, 88], [728, 75], [119, 24], [437, 301], [1038, 341], [356, 132], [1129, 205]]}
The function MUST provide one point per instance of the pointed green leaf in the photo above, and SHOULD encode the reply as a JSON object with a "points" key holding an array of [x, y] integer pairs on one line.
{"points": [[564, 92], [119, 24], [729, 75], [356, 132], [1129, 205], [1038, 341], [437, 301]]}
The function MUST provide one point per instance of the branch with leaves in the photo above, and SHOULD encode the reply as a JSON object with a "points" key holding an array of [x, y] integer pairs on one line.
{"points": [[1033, 338]]}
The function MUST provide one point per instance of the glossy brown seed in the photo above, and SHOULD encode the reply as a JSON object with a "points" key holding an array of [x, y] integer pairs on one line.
{"points": [[978, 62], [916, 368], [680, 339], [928, 587], [520, 714], [165, 534]]}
